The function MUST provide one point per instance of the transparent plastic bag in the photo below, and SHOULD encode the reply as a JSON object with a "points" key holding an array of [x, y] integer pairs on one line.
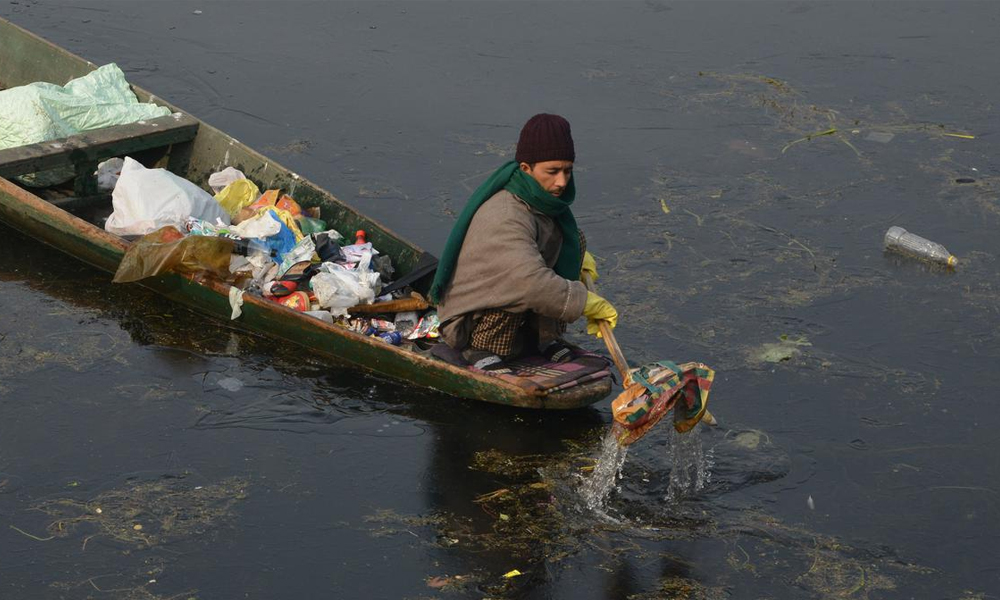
{"points": [[303, 251], [168, 250], [338, 288]]}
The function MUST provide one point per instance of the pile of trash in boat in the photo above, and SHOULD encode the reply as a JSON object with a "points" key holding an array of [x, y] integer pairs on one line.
{"points": [[261, 243]]}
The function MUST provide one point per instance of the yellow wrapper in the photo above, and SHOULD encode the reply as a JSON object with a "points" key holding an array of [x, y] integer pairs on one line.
{"points": [[237, 195]]}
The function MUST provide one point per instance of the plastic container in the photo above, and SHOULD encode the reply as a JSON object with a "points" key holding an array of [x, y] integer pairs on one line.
{"points": [[902, 241], [252, 247], [309, 225], [279, 289], [296, 301]]}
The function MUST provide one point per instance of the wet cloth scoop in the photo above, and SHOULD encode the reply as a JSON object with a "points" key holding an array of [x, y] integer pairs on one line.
{"points": [[657, 388]]}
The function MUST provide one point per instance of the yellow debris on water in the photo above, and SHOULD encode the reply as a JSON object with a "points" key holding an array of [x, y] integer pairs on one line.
{"points": [[830, 131], [511, 574]]}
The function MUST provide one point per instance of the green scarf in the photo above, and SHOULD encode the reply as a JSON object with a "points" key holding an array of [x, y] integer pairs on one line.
{"points": [[509, 177]]}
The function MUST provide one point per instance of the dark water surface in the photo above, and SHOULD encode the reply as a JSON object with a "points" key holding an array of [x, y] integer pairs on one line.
{"points": [[256, 471]]}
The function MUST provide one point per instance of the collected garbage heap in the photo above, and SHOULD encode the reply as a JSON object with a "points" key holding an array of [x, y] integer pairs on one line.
{"points": [[261, 243]]}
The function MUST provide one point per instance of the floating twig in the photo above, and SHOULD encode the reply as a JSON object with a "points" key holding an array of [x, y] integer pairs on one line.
{"points": [[849, 145], [492, 495], [861, 582], [830, 131], [34, 537], [803, 246], [697, 218]]}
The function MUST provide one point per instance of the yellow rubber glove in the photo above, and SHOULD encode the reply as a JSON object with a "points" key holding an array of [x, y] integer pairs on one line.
{"points": [[589, 266], [598, 309]]}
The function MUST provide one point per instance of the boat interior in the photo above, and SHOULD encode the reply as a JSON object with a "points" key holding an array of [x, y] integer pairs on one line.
{"points": [[165, 141]]}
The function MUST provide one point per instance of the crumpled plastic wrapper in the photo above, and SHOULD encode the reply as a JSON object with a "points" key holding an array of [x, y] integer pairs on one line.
{"points": [[167, 250]]}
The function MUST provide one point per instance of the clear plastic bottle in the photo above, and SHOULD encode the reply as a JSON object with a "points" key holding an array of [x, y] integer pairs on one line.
{"points": [[900, 240], [250, 247]]}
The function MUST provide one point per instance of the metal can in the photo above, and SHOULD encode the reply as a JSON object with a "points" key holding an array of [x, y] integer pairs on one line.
{"points": [[391, 337]]}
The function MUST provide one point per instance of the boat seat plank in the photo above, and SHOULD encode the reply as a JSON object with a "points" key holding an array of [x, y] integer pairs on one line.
{"points": [[91, 147]]}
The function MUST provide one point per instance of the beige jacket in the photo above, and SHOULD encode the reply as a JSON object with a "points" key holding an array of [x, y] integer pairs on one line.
{"points": [[506, 263]]}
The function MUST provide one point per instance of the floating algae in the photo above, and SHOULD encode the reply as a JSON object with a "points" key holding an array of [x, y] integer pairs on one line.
{"points": [[149, 513], [140, 583], [784, 350], [833, 569], [683, 588], [498, 463], [782, 103], [533, 523], [26, 350], [526, 527]]}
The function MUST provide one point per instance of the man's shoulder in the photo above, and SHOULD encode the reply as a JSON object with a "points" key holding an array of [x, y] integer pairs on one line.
{"points": [[504, 203], [502, 196]]}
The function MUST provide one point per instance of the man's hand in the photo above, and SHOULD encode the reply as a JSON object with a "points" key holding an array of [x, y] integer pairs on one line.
{"points": [[589, 267], [598, 309]]}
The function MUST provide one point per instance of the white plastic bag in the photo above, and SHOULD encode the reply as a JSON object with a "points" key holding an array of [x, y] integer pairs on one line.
{"points": [[107, 174], [359, 253], [338, 288], [146, 199], [219, 181], [261, 226]]}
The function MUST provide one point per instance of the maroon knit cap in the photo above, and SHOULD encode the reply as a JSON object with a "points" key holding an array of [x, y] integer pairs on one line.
{"points": [[545, 137]]}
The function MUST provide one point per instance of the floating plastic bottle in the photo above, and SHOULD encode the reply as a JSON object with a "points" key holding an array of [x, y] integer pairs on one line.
{"points": [[900, 240]]}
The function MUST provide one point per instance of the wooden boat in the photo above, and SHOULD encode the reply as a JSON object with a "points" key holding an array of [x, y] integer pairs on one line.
{"points": [[194, 150]]}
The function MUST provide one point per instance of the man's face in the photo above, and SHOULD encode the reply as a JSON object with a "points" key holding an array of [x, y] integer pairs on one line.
{"points": [[552, 175]]}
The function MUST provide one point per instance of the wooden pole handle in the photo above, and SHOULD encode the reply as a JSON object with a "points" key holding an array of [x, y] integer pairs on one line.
{"points": [[609, 340]]}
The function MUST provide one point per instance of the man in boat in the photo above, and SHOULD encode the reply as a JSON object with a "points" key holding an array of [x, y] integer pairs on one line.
{"points": [[509, 279]]}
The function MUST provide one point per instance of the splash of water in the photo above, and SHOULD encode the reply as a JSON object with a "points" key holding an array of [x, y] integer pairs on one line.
{"points": [[691, 466], [607, 471]]}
